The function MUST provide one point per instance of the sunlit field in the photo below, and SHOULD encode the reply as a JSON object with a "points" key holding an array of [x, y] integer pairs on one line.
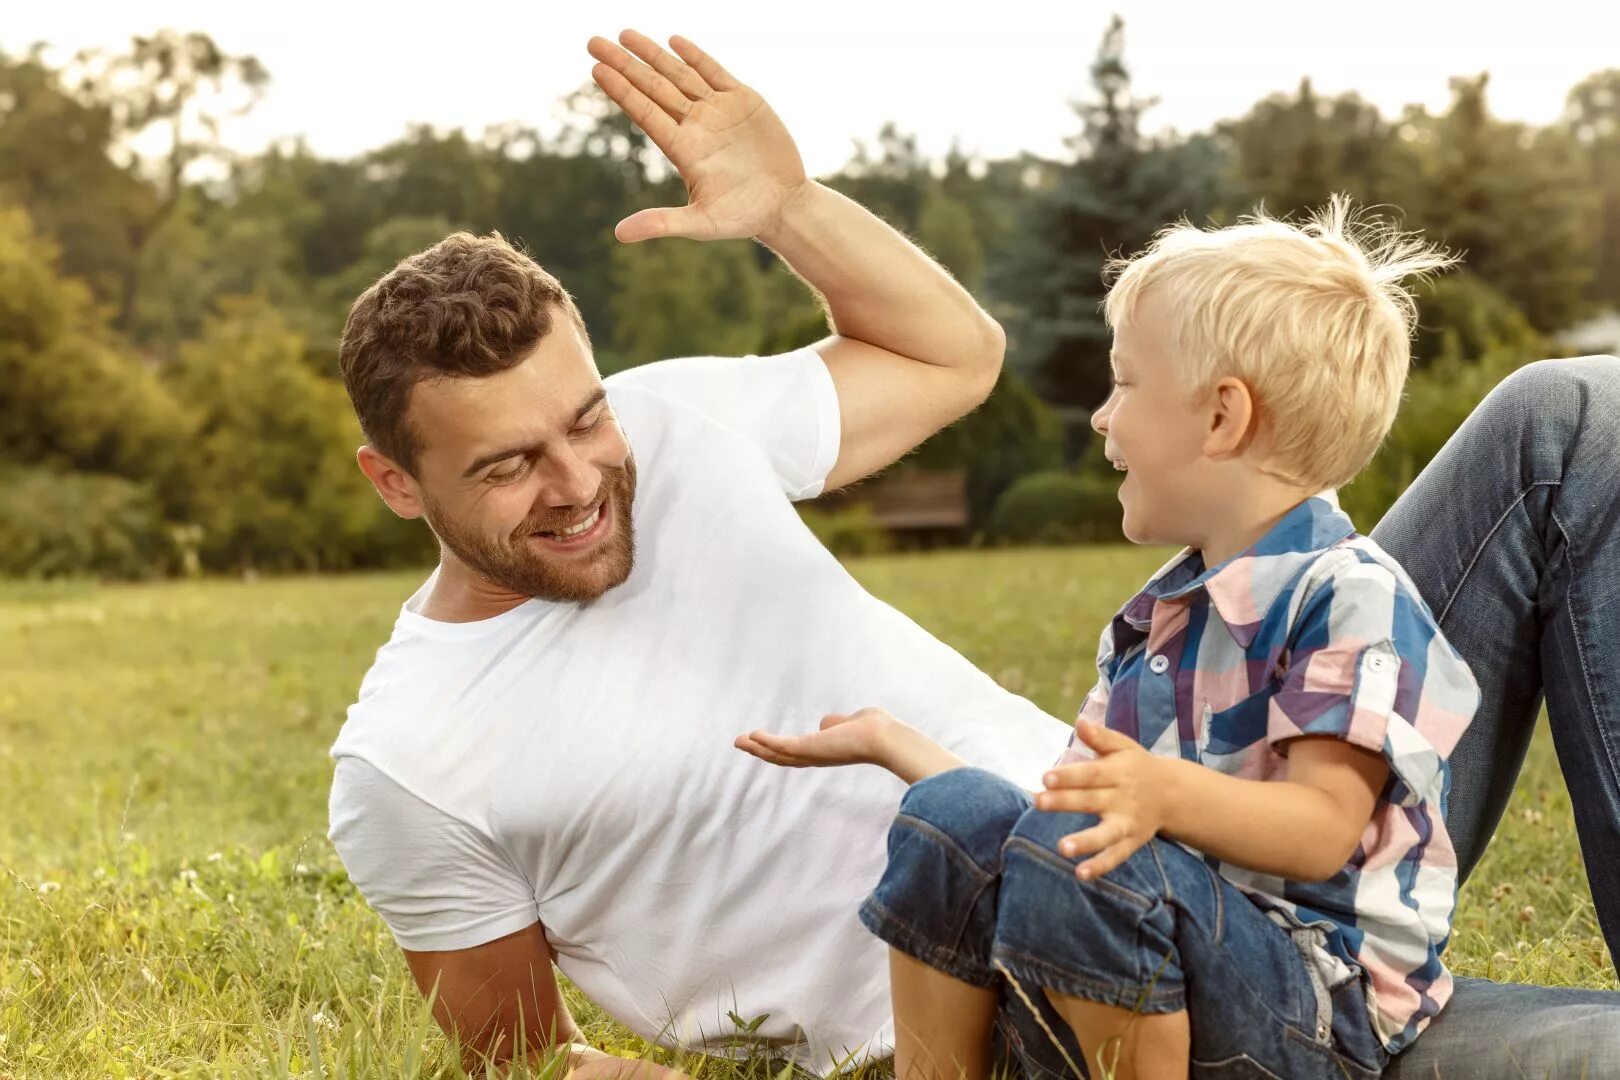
{"points": [[169, 904]]}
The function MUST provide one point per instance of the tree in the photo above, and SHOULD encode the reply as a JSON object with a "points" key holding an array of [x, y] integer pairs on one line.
{"points": [[182, 85], [1291, 153], [677, 297], [55, 164], [1119, 190], [1592, 120], [273, 481], [1512, 199]]}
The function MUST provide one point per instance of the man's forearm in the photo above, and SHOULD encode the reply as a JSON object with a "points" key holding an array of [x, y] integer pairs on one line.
{"points": [[879, 287], [1280, 827]]}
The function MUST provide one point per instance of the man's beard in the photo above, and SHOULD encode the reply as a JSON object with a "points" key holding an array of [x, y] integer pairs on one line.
{"points": [[513, 563]]}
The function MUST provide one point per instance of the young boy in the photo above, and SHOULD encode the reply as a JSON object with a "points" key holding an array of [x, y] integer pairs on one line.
{"points": [[1241, 866]]}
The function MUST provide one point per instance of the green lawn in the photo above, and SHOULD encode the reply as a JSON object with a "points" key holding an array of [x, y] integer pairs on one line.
{"points": [[170, 905]]}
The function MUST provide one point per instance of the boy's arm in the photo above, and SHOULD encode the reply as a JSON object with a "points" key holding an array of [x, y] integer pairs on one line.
{"points": [[1303, 828]]}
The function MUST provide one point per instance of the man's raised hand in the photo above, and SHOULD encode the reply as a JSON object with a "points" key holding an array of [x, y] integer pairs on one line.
{"points": [[739, 163]]}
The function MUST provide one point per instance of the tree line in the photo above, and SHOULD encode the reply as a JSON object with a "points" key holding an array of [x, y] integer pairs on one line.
{"points": [[169, 317]]}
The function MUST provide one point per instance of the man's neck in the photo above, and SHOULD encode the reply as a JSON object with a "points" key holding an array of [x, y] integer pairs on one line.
{"points": [[460, 596]]}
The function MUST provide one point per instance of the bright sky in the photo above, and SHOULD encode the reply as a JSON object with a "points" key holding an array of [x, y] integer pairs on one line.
{"points": [[351, 76]]}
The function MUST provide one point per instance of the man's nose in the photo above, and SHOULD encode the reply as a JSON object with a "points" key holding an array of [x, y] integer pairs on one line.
{"points": [[573, 480]]}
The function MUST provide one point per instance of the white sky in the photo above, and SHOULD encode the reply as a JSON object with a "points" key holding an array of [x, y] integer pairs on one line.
{"points": [[997, 77]]}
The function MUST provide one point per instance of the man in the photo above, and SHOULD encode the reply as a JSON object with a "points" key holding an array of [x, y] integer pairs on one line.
{"points": [[540, 765]]}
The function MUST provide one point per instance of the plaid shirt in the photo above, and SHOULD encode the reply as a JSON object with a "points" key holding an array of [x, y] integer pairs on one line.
{"points": [[1314, 630]]}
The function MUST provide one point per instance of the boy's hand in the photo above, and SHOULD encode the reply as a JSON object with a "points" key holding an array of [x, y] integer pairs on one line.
{"points": [[860, 738], [1124, 786]]}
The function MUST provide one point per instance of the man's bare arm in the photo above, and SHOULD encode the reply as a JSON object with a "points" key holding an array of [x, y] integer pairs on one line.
{"points": [[492, 995], [912, 350]]}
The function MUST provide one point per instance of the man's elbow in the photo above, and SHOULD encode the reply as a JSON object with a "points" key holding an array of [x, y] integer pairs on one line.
{"points": [[989, 355]]}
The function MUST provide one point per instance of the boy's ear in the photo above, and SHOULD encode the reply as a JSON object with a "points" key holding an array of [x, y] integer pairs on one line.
{"points": [[394, 484], [1233, 419]]}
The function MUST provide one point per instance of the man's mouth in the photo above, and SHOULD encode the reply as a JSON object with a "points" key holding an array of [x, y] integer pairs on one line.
{"points": [[582, 533], [574, 530]]}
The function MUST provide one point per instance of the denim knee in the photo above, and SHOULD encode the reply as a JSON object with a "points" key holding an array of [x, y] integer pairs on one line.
{"points": [[936, 901], [1110, 939], [973, 808]]}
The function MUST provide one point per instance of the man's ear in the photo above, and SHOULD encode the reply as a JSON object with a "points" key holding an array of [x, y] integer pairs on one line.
{"points": [[1233, 419], [394, 484]]}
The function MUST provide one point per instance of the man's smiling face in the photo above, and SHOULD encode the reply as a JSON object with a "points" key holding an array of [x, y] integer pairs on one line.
{"points": [[525, 475]]}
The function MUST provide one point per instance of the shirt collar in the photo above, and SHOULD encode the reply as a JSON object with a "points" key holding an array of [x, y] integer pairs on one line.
{"points": [[1244, 587]]}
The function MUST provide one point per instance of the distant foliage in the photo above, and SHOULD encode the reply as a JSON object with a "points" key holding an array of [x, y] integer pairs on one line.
{"points": [[169, 333], [1057, 508]]}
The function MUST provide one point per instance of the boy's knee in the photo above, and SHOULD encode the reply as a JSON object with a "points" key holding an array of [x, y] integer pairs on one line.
{"points": [[1037, 835], [974, 808]]}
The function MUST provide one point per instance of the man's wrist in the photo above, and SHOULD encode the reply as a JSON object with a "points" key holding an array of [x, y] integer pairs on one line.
{"points": [[798, 208]]}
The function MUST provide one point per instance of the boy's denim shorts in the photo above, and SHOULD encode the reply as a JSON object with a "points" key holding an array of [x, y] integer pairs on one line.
{"points": [[975, 888]]}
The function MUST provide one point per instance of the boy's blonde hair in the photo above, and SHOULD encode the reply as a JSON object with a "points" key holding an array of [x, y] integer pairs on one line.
{"points": [[1314, 318]]}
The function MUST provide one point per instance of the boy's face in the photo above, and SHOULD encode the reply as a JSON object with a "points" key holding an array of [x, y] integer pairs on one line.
{"points": [[1155, 433]]}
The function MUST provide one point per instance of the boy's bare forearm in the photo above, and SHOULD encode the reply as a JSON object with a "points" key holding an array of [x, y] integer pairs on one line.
{"points": [[913, 756], [1293, 830]]}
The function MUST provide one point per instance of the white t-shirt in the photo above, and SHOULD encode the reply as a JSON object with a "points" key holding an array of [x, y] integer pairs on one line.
{"points": [[574, 763]]}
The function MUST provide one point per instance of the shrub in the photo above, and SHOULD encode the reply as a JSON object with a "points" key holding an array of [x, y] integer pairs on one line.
{"points": [[79, 524], [1057, 508], [848, 531]]}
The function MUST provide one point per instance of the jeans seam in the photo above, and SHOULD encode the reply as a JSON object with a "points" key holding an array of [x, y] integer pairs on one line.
{"points": [[1066, 866], [946, 840], [1105, 991], [902, 936], [1580, 651], [1483, 544]]}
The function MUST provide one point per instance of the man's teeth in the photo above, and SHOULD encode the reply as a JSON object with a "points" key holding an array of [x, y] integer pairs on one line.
{"points": [[575, 530]]}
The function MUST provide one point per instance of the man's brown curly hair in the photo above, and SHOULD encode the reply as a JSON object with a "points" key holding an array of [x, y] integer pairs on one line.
{"points": [[467, 307]]}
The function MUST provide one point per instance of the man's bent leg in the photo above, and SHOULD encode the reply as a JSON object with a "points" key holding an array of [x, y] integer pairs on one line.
{"points": [[1497, 1031], [1512, 534]]}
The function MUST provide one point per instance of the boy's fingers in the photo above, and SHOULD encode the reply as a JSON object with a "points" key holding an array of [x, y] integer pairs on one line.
{"points": [[705, 65], [1102, 739], [1087, 774], [1074, 800], [1090, 840], [1110, 858]]}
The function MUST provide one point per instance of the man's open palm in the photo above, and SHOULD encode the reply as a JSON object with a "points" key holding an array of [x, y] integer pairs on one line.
{"points": [[740, 165]]}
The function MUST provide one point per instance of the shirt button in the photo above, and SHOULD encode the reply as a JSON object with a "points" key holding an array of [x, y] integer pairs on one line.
{"points": [[1159, 665], [1376, 662]]}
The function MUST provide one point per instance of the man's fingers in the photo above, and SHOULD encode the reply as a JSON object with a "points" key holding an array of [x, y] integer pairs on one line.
{"points": [[658, 125], [704, 64], [657, 88], [683, 78], [663, 221]]}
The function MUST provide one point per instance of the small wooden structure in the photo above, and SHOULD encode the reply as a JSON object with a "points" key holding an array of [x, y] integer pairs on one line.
{"points": [[919, 507]]}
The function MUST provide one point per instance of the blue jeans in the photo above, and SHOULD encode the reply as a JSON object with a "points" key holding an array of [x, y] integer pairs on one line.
{"points": [[975, 888], [1512, 535]]}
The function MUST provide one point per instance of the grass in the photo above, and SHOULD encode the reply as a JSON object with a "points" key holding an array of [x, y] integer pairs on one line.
{"points": [[169, 904]]}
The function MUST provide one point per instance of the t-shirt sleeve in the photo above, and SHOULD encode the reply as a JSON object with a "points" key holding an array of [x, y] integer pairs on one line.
{"points": [[1367, 664], [438, 883], [787, 405]]}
